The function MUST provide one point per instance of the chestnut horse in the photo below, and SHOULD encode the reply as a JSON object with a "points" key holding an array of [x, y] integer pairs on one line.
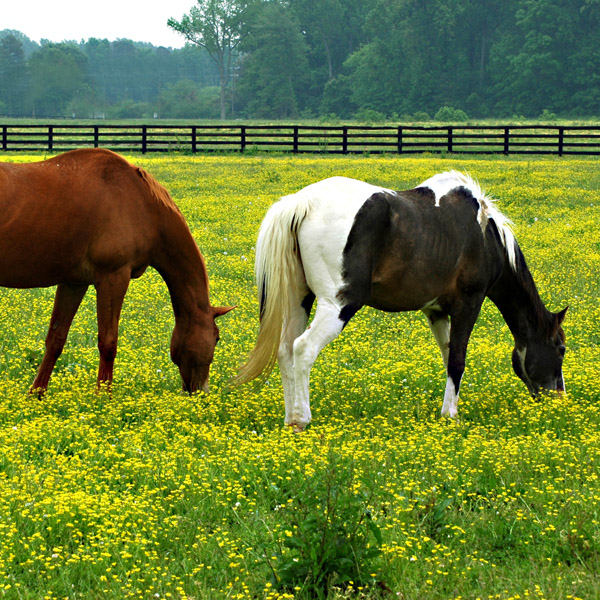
{"points": [[440, 248], [88, 217]]}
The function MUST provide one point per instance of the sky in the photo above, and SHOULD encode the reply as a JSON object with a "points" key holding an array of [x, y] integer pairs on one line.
{"points": [[60, 20]]}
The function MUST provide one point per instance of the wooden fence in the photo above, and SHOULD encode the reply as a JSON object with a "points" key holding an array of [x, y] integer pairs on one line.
{"points": [[513, 139]]}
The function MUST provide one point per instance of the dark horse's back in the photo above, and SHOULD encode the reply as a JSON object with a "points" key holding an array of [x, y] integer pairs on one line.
{"points": [[422, 252], [63, 219]]}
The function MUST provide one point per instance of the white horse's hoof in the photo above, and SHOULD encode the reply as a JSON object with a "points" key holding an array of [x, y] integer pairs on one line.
{"points": [[295, 427], [450, 414]]}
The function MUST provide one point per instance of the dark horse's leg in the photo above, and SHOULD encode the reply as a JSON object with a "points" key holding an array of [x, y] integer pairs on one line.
{"points": [[66, 302], [462, 319], [110, 292]]}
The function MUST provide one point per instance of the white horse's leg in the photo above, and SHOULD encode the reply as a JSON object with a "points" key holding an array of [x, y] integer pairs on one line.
{"points": [[439, 323], [293, 327], [450, 405], [325, 327]]}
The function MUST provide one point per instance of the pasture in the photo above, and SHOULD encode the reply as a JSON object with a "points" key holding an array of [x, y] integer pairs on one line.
{"points": [[152, 493]]}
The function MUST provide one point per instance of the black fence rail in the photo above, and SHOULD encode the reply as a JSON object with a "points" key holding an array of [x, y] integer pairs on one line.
{"points": [[513, 139]]}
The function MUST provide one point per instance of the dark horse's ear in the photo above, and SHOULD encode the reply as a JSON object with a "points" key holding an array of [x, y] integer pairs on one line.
{"points": [[219, 311], [560, 317]]}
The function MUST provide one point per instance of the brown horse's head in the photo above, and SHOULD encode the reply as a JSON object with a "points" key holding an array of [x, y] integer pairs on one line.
{"points": [[539, 364], [193, 346]]}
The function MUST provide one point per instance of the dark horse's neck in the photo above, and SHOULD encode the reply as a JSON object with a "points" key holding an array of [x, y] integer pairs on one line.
{"points": [[519, 302], [181, 265]]}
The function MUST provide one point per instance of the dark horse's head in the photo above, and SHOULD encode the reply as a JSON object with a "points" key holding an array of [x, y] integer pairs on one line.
{"points": [[193, 346], [539, 363]]}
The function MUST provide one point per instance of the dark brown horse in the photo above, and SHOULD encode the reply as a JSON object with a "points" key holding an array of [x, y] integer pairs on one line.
{"points": [[88, 217], [440, 248]]}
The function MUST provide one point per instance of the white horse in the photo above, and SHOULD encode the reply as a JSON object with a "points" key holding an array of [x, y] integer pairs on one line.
{"points": [[440, 248]]}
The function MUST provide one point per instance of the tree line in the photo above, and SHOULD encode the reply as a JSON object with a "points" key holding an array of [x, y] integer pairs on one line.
{"points": [[282, 59]]}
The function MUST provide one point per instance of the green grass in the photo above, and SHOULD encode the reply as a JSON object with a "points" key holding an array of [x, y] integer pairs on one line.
{"points": [[151, 493]]}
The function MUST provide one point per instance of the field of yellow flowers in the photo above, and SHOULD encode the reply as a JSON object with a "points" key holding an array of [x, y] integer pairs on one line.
{"points": [[154, 494]]}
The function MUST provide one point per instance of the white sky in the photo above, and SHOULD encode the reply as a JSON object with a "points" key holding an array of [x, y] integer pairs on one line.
{"points": [[59, 20]]}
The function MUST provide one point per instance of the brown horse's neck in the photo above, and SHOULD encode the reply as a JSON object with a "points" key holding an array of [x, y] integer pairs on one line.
{"points": [[181, 265], [517, 298]]}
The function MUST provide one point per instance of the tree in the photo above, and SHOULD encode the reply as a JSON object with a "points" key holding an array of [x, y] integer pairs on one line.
{"points": [[57, 74], [13, 80], [29, 46], [217, 26], [551, 59], [275, 68]]}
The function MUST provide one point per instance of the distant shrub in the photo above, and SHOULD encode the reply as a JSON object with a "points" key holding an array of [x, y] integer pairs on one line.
{"points": [[129, 109], [448, 114], [331, 119], [420, 116], [547, 115], [369, 115]]}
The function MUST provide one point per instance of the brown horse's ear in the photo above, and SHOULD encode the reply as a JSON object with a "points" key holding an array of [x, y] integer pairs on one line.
{"points": [[560, 317], [219, 311]]}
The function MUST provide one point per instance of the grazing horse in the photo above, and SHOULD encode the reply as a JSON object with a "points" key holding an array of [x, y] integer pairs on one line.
{"points": [[89, 217], [440, 248]]}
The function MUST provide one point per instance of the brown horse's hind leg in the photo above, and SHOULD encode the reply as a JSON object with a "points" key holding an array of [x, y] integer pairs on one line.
{"points": [[66, 302], [110, 292]]}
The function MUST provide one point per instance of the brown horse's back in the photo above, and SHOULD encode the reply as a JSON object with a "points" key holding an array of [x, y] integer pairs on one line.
{"points": [[70, 217]]}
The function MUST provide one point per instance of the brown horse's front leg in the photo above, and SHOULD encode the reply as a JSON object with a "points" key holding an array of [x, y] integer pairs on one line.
{"points": [[110, 292], [66, 302]]}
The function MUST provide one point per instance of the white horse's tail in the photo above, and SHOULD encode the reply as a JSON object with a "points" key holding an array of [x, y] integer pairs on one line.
{"points": [[278, 269]]}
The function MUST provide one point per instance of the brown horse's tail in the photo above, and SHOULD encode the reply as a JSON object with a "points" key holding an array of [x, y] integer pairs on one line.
{"points": [[277, 269]]}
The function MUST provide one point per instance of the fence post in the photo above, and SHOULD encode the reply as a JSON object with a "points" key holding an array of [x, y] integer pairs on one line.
{"points": [[506, 140], [96, 136], [344, 140], [561, 140], [242, 139], [400, 140], [449, 139], [50, 140], [295, 147], [5, 138], [144, 139], [194, 149]]}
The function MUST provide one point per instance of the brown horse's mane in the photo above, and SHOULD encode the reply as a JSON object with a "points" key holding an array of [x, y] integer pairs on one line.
{"points": [[157, 190]]}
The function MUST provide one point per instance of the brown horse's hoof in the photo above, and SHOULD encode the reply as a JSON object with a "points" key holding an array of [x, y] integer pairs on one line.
{"points": [[40, 392]]}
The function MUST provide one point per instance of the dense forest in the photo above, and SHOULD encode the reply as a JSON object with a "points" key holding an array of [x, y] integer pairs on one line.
{"points": [[285, 59]]}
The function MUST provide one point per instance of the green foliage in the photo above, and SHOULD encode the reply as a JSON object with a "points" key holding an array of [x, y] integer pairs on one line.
{"points": [[447, 114], [151, 493], [369, 116], [274, 59], [275, 69], [547, 116], [185, 99], [130, 109], [421, 116], [12, 74], [330, 539], [218, 27], [330, 119], [57, 75]]}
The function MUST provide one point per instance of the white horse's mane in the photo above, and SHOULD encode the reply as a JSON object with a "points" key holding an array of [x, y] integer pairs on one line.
{"points": [[441, 183]]}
